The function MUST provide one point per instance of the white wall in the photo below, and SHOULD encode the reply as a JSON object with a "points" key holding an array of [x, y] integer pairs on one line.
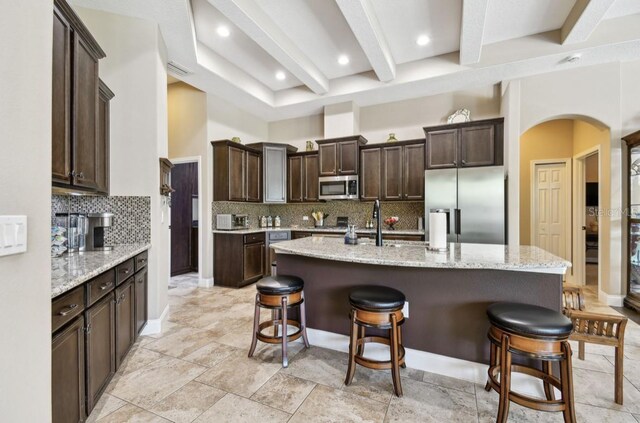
{"points": [[25, 189], [136, 72]]}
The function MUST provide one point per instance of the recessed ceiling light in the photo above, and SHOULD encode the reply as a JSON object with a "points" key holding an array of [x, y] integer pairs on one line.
{"points": [[223, 31], [280, 76], [343, 59], [423, 40], [573, 58]]}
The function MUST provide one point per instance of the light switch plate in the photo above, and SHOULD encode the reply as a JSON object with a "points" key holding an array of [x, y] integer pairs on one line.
{"points": [[405, 309], [13, 235]]}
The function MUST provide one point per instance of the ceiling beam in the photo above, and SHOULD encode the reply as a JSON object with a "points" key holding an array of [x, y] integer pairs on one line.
{"points": [[583, 20], [474, 14], [365, 26], [254, 22]]}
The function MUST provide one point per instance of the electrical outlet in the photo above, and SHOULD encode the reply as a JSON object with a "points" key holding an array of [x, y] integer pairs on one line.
{"points": [[405, 309], [305, 218]]}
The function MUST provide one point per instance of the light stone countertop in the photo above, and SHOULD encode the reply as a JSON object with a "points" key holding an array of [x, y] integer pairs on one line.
{"points": [[73, 269], [320, 230], [415, 254]]}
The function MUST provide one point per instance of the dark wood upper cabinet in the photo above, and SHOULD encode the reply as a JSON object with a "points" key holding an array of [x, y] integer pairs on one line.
{"points": [[67, 374], [295, 179], [142, 293], [414, 168], [370, 167], [77, 150], [100, 348], [392, 173], [237, 172], [103, 143], [125, 319], [339, 156], [302, 178], [468, 144], [254, 177], [310, 169]]}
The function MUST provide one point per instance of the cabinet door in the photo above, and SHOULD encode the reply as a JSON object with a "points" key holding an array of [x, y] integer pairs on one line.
{"points": [[296, 179], [61, 106], [67, 374], [125, 320], [101, 348], [142, 284], [236, 174], [275, 174], [371, 163], [311, 178], [442, 149], [253, 260], [102, 169], [477, 146], [413, 188], [254, 177], [328, 155], [392, 173], [348, 164], [85, 116]]}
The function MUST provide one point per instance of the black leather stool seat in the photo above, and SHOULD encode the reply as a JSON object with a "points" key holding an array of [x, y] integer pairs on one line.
{"points": [[377, 298], [529, 320], [279, 285]]}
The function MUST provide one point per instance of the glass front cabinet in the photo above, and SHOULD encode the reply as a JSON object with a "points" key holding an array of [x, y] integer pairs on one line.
{"points": [[632, 299]]}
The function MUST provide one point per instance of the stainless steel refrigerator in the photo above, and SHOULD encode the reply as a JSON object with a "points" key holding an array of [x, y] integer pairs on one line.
{"points": [[474, 200]]}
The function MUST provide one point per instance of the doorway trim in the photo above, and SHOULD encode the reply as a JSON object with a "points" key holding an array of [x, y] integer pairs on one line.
{"points": [[533, 209], [198, 161], [579, 205]]}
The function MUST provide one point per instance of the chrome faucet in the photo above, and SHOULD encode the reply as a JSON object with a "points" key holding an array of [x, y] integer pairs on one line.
{"points": [[378, 216]]}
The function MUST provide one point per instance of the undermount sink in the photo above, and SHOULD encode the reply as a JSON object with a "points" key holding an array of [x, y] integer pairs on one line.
{"points": [[384, 244]]}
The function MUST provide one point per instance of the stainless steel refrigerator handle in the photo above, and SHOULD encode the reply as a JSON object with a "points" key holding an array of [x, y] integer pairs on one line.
{"points": [[457, 219]]}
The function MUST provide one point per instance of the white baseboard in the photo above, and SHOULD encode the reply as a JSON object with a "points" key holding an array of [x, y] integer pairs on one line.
{"points": [[205, 283], [611, 300], [155, 325]]}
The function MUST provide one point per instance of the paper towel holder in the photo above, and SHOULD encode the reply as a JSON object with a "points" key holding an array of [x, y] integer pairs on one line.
{"points": [[447, 212]]}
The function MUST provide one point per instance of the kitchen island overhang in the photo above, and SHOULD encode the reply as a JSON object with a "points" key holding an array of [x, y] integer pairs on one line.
{"points": [[447, 293]]}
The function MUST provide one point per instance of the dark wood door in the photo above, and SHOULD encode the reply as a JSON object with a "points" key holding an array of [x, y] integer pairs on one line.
{"points": [[236, 174], [348, 153], [328, 156], [392, 172], [477, 146], [100, 347], [253, 260], [85, 116], [253, 177], [184, 179], [311, 178], [296, 179], [414, 168], [67, 374], [371, 166], [125, 320], [102, 167], [142, 295], [61, 106], [442, 149]]}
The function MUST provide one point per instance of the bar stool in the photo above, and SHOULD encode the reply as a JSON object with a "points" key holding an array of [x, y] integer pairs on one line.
{"points": [[279, 293], [533, 332], [376, 307]]}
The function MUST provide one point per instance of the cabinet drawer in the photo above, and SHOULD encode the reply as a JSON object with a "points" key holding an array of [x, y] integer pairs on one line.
{"points": [[253, 238], [100, 286], [141, 260], [65, 308], [124, 270]]}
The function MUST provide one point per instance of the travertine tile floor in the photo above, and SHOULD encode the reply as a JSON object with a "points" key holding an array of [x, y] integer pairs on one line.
{"points": [[197, 370]]}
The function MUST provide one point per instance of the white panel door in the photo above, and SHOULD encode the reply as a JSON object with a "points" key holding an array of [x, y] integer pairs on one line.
{"points": [[549, 217]]}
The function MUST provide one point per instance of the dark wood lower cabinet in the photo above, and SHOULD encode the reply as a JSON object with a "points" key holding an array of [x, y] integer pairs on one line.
{"points": [[142, 283], [253, 261], [125, 319], [68, 374], [238, 260], [100, 348]]}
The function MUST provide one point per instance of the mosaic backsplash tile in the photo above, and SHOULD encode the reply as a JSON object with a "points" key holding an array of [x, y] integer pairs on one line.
{"points": [[132, 215], [358, 212]]}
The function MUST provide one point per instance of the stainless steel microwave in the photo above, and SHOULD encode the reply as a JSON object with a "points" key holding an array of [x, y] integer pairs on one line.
{"points": [[338, 187]]}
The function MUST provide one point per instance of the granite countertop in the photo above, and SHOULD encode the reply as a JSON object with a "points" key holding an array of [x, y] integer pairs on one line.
{"points": [[320, 230], [73, 269], [415, 254]]}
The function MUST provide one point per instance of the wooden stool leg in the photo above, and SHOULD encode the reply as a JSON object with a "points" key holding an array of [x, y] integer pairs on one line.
{"points": [[256, 326], [303, 322], [505, 380], [403, 365], [353, 340], [492, 362], [569, 412], [361, 334], [395, 368], [581, 350], [619, 377], [285, 358], [548, 388]]}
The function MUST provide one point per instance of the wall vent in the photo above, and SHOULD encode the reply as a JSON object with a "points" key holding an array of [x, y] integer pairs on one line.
{"points": [[177, 69]]}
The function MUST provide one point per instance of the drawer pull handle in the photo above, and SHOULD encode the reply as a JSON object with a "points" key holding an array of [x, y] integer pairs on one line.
{"points": [[106, 285], [143, 260], [68, 310], [126, 271]]}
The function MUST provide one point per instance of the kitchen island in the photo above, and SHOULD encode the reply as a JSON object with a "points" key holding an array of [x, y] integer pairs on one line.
{"points": [[447, 293]]}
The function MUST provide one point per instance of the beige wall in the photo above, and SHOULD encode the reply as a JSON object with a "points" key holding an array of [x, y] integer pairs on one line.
{"points": [[591, 168], [25, 189]]}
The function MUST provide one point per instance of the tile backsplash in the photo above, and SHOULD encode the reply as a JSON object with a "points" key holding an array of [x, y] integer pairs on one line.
{"points": [[132, 215], [357, 211]]}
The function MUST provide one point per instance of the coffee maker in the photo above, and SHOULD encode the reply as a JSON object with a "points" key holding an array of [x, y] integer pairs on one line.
{"points": [[96, 223]]}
